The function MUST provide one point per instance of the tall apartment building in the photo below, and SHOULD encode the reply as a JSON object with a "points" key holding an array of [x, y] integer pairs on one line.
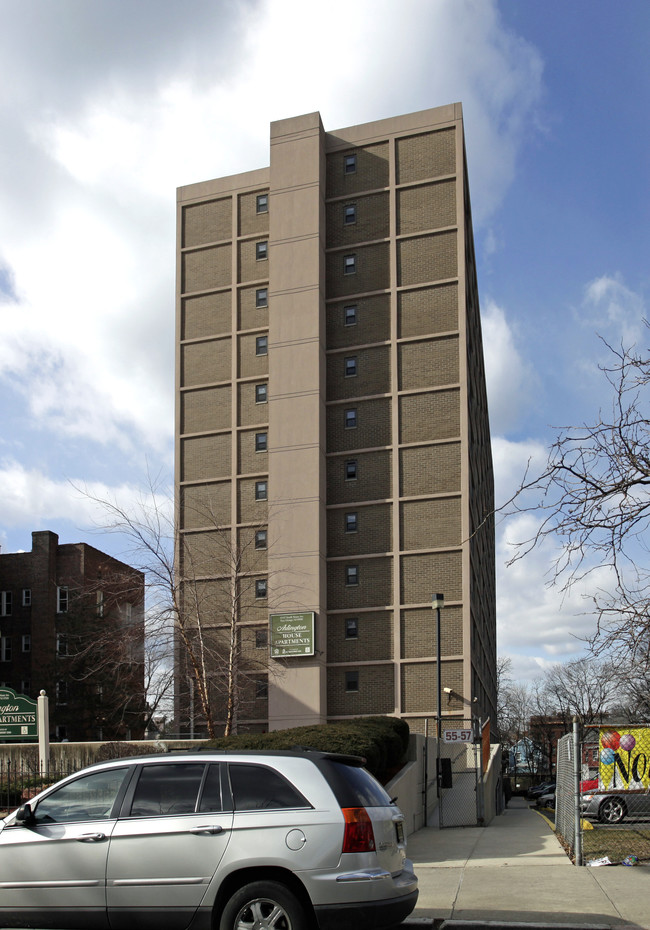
{"points": [[332, 421], [72, 624]]}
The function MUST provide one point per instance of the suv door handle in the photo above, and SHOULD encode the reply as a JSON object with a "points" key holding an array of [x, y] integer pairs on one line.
{"points": [[208, 828], [91, 837]]}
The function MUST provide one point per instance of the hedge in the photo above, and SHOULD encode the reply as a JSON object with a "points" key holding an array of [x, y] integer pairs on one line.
{"points": [[381, 741]]}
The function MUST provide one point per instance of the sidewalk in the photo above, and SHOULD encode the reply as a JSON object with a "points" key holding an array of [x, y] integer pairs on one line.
{"points": [[514, 872]]}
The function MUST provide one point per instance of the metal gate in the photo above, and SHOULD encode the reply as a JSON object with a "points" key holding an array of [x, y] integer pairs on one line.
{"points": [[459, 777]]}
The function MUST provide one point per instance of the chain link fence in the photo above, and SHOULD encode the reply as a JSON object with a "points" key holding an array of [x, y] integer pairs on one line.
{"points": [[604, 815]]}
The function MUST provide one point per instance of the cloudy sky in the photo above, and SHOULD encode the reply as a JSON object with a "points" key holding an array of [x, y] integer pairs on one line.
{"points": [[108, 105]]}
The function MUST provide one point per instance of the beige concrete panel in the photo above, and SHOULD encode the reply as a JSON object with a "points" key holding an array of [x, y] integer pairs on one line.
{"points": [[296, 213], [304, 410], [295, 264], [292, 472], [300, 319]]}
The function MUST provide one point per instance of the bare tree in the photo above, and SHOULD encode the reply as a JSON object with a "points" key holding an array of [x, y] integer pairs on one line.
{"points": [[593, 497], [206, 602], [584, 689]]}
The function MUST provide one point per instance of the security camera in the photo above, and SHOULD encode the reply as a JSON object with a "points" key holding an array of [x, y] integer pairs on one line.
{"points": [[447, 690]]}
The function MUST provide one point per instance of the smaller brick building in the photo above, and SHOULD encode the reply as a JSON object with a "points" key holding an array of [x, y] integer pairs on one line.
{"points": [[72, 624]]}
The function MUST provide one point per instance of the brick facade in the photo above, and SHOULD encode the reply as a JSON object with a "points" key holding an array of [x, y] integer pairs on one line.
{"points": [[357, 353]]}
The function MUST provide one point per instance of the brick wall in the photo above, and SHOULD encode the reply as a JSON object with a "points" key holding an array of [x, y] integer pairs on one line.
{"points": [[373, 322], [249, 363], [427, 310], [372, 377], [249, 461], [207, 315], [206, 362], [373, 425], [419, 685], [374, 640], [372, 220], [209, 221], [375, 588], [372, 274], [250, 412], [373, 534], [431, 524], [424, 574], [427, 206], [418, 632], [375, 694], [205, 457], [427, 258], [206, 409], [430, 469], [426, 155], [205, 269], [205, 504], [430, 363], [251, 316], [373, 481], [372, 170], [250, 269], [250, 221], [430, 415], [250, 510]]}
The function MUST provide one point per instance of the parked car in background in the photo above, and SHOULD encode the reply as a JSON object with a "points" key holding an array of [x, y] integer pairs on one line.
{"points": [[289, 840], [535, 790], [546, 798], [611, 807]]}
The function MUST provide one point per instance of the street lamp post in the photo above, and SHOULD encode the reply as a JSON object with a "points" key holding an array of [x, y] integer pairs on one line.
{"points": [[437, 603]]}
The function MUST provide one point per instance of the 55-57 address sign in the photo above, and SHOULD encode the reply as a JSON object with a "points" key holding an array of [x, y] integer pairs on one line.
{"points": [[457, 736]]}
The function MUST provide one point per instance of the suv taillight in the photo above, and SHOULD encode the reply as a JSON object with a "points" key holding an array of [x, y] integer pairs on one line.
{"points": [[358, 836]]}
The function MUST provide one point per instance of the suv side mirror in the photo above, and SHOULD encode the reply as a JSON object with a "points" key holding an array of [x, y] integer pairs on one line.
{"points": [[25, 815]]}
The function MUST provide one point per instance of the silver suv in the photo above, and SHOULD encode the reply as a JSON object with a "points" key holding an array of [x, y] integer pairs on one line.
{"points": [[228, 840]]}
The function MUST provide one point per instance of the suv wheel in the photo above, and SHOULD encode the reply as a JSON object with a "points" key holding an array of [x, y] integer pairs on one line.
{"points": [[612, 810], [263, 905]]}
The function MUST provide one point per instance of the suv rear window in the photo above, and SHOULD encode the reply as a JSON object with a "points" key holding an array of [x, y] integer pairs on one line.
{"points": [[256, 787], [352, 786]]}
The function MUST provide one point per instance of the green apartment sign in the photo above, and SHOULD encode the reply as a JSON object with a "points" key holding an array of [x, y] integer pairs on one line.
{"points": [[292, 634], [17, 716]]}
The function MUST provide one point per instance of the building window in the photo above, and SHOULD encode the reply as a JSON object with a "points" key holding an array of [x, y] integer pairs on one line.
{"points": [[350, 214], [352, 681], [351, 575], [262, 297], [100, 603], [351, 522], [27, 597], [261, 345], [351, 418], [62, 692], [261, 639], [260, 539], [6, 603], [261, 393], [349, 164], [26, 686], [349, 264], [351, 366], [260, 442], [262, 203], [5, 649], [61, 644], [350, 315], [261, 689], [260, 588], [260, 490], [351, 627], [27, 643], [351, 470], [62, 599], [261, 252]]}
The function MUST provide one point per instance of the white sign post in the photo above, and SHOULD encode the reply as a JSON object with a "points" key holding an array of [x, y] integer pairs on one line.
{"points": [[43, 723]]}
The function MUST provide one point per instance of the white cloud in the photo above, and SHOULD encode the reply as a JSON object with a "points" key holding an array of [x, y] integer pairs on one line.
{"points": [[510, 381], [614, 310]]}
